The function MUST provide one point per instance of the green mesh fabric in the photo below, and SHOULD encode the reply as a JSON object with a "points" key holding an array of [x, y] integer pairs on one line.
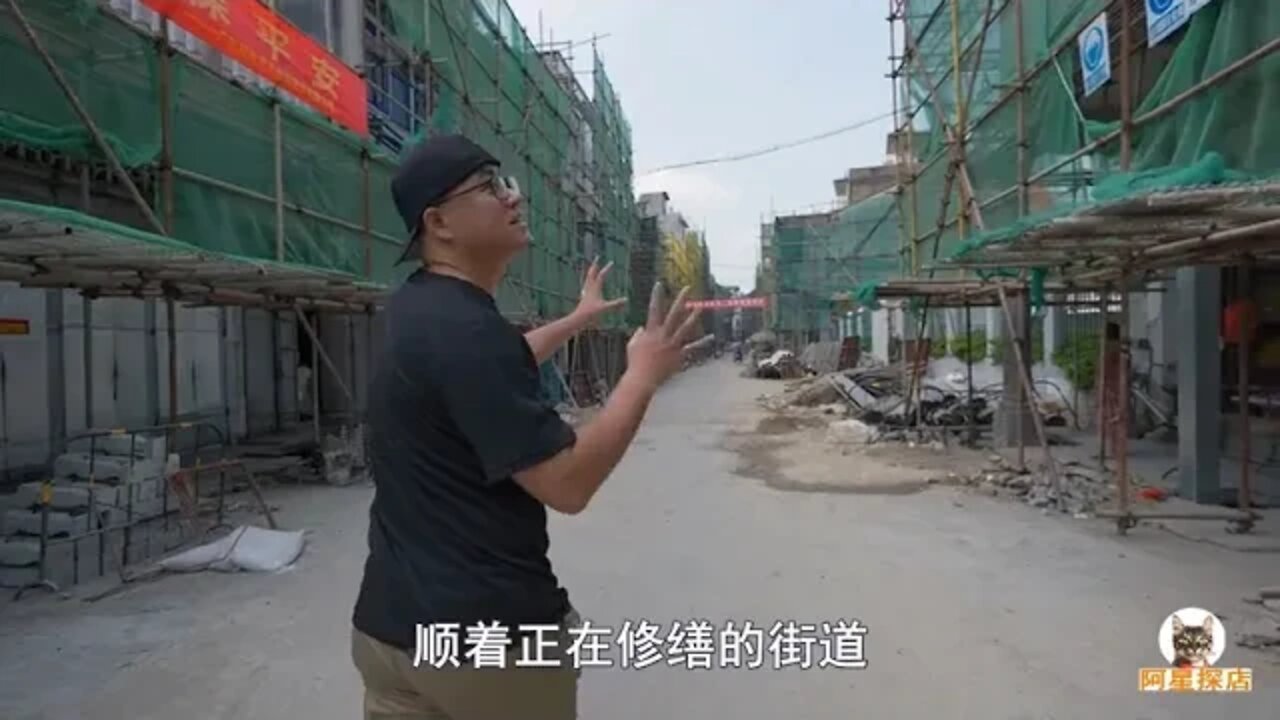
{"points": [[1222, 135], [488, 82], [112, 69], [819, 256]]}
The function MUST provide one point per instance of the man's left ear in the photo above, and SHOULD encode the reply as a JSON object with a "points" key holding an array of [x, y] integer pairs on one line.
{"points": [[435, 221]]}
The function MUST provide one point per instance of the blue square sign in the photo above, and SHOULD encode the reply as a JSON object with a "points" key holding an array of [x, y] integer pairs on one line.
{"points": [[1095, 54]]}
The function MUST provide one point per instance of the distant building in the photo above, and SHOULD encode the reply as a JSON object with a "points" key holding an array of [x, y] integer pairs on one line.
{"points": [[657, 205], [861, 183]]}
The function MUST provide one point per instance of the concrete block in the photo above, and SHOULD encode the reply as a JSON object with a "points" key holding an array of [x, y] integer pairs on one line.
{"points": [[19, 552], [76, 466], [67, 496], [61, 524], [143, 447]]}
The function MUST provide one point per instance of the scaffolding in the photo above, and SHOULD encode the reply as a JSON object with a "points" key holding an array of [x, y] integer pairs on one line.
{"points": [[1016, 174], [485, 78], [172, 182], [817, 256], [298, 190], [991, 108]]}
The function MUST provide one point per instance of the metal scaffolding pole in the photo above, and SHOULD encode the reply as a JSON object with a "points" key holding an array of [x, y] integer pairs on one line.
{"points": [[1244, 291]]}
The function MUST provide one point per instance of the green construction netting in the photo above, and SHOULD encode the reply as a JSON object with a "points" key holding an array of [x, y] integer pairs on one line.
{"points": [[489, 82], [492, 84], [1224, 134], [819, 256], [223, 142]]}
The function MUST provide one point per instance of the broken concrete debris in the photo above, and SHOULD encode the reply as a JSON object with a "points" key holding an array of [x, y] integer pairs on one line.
{"points": [[1082, 491]]}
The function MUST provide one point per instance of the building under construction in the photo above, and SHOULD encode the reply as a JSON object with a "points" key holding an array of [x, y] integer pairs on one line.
{"points": [[1080, 182], [186, 243]]}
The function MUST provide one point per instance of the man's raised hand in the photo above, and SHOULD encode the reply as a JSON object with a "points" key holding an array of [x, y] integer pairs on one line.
{"points": [[657, 350]]}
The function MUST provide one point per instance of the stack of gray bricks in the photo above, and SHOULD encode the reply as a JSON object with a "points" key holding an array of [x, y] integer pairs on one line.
{"points": [[121, 483]]}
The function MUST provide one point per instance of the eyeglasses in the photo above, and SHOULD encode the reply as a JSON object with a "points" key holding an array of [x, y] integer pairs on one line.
{"points": [[500, 186]]}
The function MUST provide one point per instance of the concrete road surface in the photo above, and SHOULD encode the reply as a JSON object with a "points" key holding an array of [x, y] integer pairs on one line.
{"points": [[974, 607]]}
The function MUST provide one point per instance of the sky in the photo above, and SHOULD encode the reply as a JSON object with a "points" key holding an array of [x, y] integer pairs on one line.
{"points": [[706, 78]]}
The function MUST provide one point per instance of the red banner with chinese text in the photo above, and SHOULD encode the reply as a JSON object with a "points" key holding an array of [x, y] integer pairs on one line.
{"points": [[258, 38], [722, 303]]}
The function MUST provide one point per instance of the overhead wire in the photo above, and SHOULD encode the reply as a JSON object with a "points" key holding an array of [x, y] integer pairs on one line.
{"points": [[772, 148]]}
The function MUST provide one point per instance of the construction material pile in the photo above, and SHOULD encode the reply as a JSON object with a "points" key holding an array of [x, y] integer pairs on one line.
{"points": [[112, 481]]}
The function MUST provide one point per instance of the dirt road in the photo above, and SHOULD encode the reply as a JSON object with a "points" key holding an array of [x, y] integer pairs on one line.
{"points": [[975, 607]]}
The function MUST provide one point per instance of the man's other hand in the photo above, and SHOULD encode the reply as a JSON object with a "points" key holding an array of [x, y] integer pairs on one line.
{"points": [[592, 304]]}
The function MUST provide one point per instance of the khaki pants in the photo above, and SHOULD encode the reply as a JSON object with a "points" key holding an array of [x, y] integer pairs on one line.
{"points": [[394, 689]]}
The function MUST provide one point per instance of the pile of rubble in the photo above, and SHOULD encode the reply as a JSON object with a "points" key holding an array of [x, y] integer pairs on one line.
{"points": [[1080, 492], [877, 396]]}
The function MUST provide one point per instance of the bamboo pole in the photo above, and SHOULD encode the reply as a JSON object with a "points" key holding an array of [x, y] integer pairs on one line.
{"points": [[1126, 92], [958, 134], [366, 214], [1024, 189], [909, 50], [277, 134], [1101, 374], [166, 190], [898, 128]]}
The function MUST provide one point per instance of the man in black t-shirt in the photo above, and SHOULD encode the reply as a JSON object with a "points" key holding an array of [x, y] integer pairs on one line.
{"points": [[459, 613]]}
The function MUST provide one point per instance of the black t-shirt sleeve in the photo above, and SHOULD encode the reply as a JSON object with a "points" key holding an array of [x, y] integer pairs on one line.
{"points": [[492, 390]]}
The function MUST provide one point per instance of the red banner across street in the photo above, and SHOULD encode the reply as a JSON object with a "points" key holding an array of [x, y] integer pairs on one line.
{"points": [[723, 303]]}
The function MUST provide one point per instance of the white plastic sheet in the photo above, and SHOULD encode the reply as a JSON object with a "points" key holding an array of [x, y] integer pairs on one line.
{"points": [[247, 548]]}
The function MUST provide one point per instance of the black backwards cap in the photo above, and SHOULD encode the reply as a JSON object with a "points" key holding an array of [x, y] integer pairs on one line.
{"points": [[427, 174]]}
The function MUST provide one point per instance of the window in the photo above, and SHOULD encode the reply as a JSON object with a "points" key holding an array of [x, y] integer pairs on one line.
{"points": [[311, 17]]}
